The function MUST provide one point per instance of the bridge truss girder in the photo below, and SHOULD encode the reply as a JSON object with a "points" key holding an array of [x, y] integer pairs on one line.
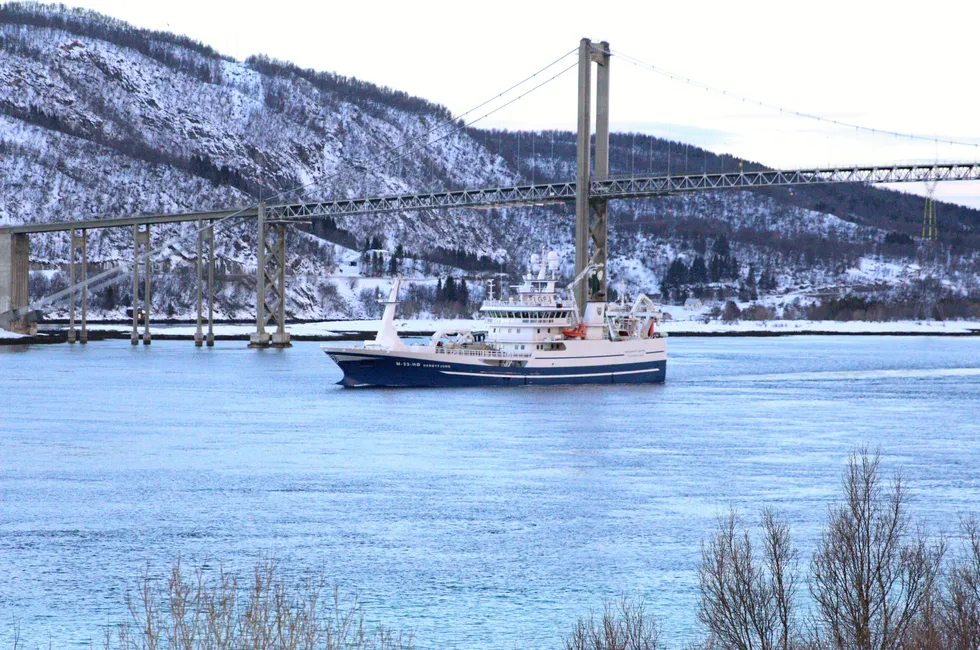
{"points": [[650, 186], [509, 197], [622, 188]]}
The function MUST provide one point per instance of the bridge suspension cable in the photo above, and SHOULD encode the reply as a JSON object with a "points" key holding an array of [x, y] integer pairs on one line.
{"points": [[789, 111]]}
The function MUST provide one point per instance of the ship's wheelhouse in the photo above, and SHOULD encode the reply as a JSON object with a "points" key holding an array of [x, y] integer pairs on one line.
{"points": [[532, 320]]}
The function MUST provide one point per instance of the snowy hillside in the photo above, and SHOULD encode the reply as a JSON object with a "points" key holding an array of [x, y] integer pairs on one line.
{"points": [[100, 119]]}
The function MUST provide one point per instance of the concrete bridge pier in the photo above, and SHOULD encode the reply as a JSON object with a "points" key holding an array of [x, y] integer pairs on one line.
{"points": [[78, 243], [141, 240], [270, 284], [14, 270], [210, 339], [205, 235]]}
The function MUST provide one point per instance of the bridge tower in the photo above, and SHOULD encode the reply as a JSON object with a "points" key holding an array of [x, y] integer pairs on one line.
{"points": [[929, 232], [591, 215]]}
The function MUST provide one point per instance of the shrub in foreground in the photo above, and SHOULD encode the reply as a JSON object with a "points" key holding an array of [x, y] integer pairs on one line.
{"points": [[876, 580], [201, 612], [623, 625]]}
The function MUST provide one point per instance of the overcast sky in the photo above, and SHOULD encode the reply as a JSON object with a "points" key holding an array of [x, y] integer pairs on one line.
{"points": [[894, 66]]}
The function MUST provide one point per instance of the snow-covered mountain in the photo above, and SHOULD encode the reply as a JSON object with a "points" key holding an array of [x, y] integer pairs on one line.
{"points": [[98, 118]]}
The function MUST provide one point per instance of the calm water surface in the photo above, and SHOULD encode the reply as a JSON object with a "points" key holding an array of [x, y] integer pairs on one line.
{"points": [[478, 518]]}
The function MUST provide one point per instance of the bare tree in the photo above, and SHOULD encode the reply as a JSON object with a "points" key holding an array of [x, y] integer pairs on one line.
{"points": [[960, 601], [782, 563], [748, 599], [624, 625], [872, 572], [218, 613]]}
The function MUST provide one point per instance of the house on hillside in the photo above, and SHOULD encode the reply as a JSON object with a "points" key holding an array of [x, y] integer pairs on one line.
{"points": [[693, 304]]}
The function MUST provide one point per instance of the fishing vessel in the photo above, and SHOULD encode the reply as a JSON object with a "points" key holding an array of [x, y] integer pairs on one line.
{"points": [[533, 337]]}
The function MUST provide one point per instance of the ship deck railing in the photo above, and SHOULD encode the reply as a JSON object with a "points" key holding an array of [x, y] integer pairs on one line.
{"points": [[511, 302], [492, 354]]}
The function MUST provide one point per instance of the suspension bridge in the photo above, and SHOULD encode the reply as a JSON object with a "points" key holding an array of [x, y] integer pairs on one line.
{"points": [[590, 192]]}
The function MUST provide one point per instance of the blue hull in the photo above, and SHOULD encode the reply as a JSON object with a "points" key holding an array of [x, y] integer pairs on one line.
{"points": [[371, 370]]}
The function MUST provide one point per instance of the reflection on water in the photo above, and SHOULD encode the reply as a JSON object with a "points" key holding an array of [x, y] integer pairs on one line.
{"points": [[836, 375], [483, 518]]}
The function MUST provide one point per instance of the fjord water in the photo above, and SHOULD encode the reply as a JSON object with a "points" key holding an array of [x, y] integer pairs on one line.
{"points": [[478, 518]]}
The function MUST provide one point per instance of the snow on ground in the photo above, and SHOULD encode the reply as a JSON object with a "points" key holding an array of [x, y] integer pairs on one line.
{"points": [[694, 321], [803, 326], [4, 334], [674, 327], [324, 328]]}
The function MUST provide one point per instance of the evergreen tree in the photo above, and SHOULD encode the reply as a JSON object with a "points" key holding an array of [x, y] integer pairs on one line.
{"points": [[723, 264], [700, 245], [768, 282], [449, 290], [111, 297], [733, 266], [721, 247], [699, 271], [677, 273], [716, 268]]}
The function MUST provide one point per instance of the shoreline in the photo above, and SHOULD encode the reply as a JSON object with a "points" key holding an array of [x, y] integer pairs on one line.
{"points": [[102, 331]]}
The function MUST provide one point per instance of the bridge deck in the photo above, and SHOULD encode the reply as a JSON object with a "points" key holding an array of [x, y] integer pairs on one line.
{"points": [[119, 222], [548, 193]]}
